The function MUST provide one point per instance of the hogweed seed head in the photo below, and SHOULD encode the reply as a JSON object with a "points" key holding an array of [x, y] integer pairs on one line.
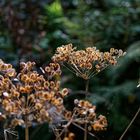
{"points": [[86, 114], [86, 63], [28, 94], [29, 97]]}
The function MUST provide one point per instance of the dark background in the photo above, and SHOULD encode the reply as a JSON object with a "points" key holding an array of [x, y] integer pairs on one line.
{"points": [[33, 29]]}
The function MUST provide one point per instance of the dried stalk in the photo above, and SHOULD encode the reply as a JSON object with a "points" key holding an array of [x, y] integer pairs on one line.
{"points": [[130, 124], [85, 132], [26, 129], [66, 126]]}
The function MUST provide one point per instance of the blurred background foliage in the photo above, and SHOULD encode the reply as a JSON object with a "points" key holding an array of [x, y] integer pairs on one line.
{"points": [[33, 29]]}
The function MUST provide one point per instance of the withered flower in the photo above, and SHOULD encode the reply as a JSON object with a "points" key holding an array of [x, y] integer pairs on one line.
{"points": [[28, 96], [85, 113], [86, 63]]}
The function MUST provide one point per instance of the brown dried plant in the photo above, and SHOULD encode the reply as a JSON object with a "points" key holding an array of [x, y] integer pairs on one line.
{"points": [[32, 96], [83, 113], [27, 97], [85, 64]]}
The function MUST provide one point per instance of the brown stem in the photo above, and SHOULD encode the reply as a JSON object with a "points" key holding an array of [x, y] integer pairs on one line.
{"points": [[26, 129], [65, 127], [87, 86], [130, 124]]}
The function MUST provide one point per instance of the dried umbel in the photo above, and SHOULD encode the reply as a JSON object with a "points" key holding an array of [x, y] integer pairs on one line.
{"points": [[85, 113], [86, 63], [28, 96]]}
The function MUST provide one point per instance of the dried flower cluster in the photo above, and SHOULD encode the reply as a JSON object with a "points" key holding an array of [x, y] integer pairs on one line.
{"points": [[86, 63], [28, 96], [85, 113], [31, 96]]}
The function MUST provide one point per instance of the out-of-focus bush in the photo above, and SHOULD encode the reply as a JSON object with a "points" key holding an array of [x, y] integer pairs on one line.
{"points": [[30, 30]]}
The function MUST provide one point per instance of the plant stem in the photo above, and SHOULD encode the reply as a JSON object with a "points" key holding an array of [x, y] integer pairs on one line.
{"points": [[26, 129], [87, 86], [138, 111]]}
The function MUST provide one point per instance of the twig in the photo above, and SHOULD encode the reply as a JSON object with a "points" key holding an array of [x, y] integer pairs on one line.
{"points": [[26, 130], [8, 130], [130, 124], [66, 126], [84, 130]]}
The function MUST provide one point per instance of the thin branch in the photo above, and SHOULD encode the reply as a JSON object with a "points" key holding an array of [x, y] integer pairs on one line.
{"points": [[66, 126], [130, 124], [14, 133]]}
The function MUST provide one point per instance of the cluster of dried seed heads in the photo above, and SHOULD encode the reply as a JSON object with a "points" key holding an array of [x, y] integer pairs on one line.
{"points": [[28, 96], [85, 113], [86, 63]]}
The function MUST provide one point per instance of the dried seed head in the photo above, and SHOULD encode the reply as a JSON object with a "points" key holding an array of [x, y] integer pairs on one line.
{"points": [[64, 92], [29, 93], [85, 63]]}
